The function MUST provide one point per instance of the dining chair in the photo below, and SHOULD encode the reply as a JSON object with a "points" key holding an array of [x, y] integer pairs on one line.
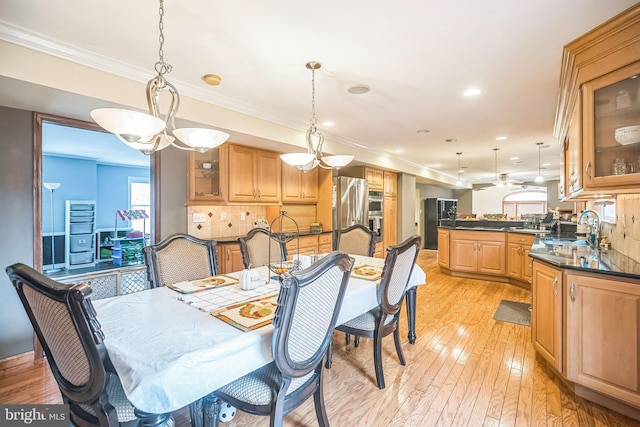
{"points": [[308, 306], [65, 323], [178, 258], [258, 245], [355, 240], [383, 319]]}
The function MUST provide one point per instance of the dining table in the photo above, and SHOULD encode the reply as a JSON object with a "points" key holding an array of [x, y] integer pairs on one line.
{"points": [[170, 351]]}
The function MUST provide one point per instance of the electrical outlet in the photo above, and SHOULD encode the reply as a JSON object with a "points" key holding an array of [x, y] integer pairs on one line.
{"points": [[243, 216], [223, 216], [198, 217]]}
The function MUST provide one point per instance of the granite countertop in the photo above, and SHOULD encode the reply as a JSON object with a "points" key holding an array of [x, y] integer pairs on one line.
{"points": [[609, 262]]}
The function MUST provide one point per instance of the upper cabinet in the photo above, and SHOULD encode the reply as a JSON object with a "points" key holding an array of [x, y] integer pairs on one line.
{"points": [[208, 175], [390, 180], [611, 129], [598, 111], [254, 175], [375, 178], [298, 186]]}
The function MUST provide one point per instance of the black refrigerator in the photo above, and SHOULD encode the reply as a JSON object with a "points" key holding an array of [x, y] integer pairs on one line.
{"points": [[434, 211]]}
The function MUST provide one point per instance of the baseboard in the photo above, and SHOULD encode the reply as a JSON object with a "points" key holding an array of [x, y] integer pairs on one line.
{"points": [[608, 402]]}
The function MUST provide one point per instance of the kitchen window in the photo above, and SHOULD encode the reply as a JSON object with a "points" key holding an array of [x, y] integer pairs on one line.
{"points": [[140, 198]]}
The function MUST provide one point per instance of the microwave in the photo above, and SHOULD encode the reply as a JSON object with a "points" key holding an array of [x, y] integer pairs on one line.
{"points": [[375, 202]]}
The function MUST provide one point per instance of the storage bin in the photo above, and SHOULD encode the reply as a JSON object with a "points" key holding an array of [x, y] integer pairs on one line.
{"points": [[81, 258], [81, 228], [81, 207], [81, 242]]}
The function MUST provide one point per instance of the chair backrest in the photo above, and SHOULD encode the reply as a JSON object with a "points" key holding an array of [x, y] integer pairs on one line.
{"points": [[398, 266], [178, 258], [308, 307], [355, 240], [255, 247], [65, 323]]}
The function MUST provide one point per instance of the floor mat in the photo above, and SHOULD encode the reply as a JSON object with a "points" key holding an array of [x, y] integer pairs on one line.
{"points": [[513, 312]]}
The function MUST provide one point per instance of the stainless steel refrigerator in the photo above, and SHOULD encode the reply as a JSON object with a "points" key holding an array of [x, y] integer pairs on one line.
{"points": [[350, 202], [434, 211]]}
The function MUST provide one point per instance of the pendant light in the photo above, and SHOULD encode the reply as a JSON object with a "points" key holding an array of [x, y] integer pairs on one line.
{"points": [[498, 182], [313, 157], [149, 133], [539, 178], [459, 181]]}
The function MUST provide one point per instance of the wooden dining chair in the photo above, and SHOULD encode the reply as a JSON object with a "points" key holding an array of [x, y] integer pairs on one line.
{"points": [[383, 319], [308, 306], [258, 245], [355, 240], [65, 323], [178, 258]]}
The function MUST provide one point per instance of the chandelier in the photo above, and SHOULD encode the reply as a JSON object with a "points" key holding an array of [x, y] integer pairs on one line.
{"points": [[539, 178], [313, 157], [149, 133]]}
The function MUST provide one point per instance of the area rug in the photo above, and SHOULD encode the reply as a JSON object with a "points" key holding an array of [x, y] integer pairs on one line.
{"points": [[513, 312]]}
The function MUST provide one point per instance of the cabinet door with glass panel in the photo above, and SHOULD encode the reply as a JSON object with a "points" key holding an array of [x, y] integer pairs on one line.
{"points": [[611, 130], [208, 175]]}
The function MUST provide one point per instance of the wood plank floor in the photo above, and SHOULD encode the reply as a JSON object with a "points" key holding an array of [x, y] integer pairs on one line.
{"points": [[464, 370]]}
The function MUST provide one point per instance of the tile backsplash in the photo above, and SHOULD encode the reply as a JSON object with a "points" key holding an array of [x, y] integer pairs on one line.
{"points": [[239, 220], [625, 233]]}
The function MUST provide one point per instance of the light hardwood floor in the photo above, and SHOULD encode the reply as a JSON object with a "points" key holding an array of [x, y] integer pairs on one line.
{"points": [[465, 369]]}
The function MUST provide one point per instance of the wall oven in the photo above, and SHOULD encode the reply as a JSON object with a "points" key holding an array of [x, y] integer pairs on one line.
{"points": [[375, 211]]}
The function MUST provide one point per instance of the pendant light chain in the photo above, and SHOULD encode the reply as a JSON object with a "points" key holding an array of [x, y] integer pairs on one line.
{"points": [[162, 66], [313, 99]]}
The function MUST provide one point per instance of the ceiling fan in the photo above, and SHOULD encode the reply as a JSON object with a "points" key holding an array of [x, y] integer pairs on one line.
{"points": [[501, 180]]}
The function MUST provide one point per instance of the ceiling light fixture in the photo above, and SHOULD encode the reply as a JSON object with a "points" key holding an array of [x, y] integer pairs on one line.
{"points": [[459, 181], [149, 133], [313, 157], [500, 138], [539, 178], [472, 92]]}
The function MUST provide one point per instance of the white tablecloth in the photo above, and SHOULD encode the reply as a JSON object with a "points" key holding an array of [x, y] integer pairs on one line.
{"points": [[169, 354]]}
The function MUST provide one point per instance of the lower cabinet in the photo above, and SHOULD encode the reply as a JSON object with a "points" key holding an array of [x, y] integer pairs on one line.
{"points": [[443, 248], [546, 313], [304, 245], [603, 335], [478, 252], [229, 258], [324, 243], [379, 250]]}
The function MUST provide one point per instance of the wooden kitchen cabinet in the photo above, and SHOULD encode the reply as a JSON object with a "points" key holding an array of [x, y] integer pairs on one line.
{"points": [[443, 248], [304, 245], [229, 258], [378, 252], [546, 313], [478, 252], [299, 186], [207, 175], [390, 224], [390, 184], [254, 175], [375, 177], [598, 94], [325, 243], [519, 264], [603, 335]]}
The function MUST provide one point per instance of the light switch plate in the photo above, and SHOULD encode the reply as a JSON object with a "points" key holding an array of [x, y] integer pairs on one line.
{"points": [[242, 216], [198, 217]]}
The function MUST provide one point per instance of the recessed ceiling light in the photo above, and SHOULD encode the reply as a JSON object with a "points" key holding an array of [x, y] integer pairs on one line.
{"points": [[423, 131], [212, 79], [435, 165], [329, 124], [472, 92], [514, 158], [500, 138], [399, 150], [359, 89], [546, 164]]}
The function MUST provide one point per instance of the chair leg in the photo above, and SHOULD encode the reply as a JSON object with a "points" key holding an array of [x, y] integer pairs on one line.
{"points": [[347, 338], [356, 341], [396, 339], [377, 358], [327, 363], [211, 410], [318, 401], [196, 412]]}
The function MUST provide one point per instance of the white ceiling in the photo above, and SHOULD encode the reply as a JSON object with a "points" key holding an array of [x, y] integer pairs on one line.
{"points": [[416, 56]]}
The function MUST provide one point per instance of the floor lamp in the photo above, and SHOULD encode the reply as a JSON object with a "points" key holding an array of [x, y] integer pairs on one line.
{"points": [[52, 186]]}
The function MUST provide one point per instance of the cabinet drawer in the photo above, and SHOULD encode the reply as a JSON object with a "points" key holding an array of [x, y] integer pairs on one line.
{"points": [[305, 242], [81, 258], [521, 239], [324, 239], [80, 242]]}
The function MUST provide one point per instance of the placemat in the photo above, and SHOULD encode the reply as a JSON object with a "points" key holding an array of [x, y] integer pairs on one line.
{"points": [[191, 286], [226, 296], [366, 272], [249, 315]]}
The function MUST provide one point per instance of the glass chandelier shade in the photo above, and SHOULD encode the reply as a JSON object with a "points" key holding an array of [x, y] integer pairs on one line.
{"points": [[149, 133], [313, 157]]}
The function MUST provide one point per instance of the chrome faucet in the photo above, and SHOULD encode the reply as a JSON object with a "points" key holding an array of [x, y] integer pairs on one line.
{"points": [[594, 225]]}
